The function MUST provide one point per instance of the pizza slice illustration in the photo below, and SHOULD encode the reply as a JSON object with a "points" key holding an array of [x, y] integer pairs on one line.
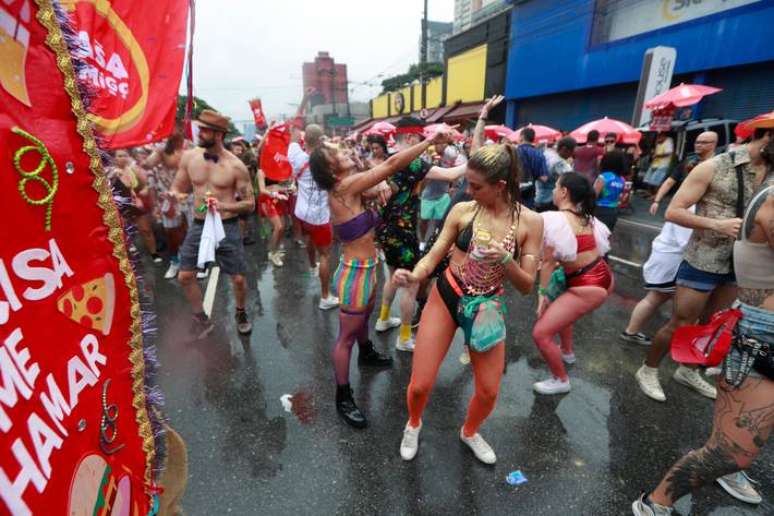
{"points": [[90, 304]]}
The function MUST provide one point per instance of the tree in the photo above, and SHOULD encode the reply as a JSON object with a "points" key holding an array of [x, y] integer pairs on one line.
{"points": [[198, 106], [404, 79]]}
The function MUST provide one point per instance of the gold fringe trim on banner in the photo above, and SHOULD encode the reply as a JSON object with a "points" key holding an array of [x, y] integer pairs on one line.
{"points": [[55, 40]]}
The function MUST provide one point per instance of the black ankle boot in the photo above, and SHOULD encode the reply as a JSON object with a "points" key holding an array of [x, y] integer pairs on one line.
{"points": [[347, 409], [367, 355]]}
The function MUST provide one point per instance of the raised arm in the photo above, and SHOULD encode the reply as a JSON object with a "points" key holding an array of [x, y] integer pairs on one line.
{"points": [[691, 191], [478, 133], [153, 160], [359, 183], [446, 174]]}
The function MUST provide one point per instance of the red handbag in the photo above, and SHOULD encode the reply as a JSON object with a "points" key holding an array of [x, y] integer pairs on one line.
{"points": [[274, 156], [706, 344]]}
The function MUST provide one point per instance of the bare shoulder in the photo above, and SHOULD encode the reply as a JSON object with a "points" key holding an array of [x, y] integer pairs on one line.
{"points": [[530, 218], [236, 163], [462, 211]]}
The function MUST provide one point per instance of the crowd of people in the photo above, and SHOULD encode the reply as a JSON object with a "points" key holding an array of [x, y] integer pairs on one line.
{"points": [[456, 223]]}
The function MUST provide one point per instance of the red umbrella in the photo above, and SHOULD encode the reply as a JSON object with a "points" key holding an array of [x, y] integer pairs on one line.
{"points": [[384, 129], [745, 130], [625, 132], [495, 132], [430, 130], [681, 96], [543, 133]]}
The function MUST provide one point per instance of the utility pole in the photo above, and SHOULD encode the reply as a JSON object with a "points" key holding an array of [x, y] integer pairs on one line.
{"points": [[423, 57]]}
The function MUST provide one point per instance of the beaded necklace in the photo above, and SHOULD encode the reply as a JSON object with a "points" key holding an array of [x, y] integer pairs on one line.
{"points": [[481, 278]]}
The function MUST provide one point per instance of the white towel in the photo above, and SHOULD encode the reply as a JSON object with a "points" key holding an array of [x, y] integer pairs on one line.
{"points": [[212, 234]]}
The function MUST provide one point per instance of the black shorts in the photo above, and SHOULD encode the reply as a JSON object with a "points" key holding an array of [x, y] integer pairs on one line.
{"points": [[400, 247], [230, 254]]}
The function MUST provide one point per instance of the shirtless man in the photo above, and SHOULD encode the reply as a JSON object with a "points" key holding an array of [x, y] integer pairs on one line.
{"points": [[220, 179]]}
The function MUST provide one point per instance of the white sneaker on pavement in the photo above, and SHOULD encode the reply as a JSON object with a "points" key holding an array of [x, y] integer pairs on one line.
{"points": [[552, 386], [392, 322], [405, 345], [647, 377], [740, 486], [480, 447], [641, 507], [172, 271], [693, 379], [275, 257], [409, 445], [465, 356], [203, 274], [328, 303]]}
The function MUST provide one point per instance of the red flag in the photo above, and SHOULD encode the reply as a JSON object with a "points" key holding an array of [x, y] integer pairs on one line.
{"points": [[274, 156], [75, 435], [134, 51], [257, 109]]}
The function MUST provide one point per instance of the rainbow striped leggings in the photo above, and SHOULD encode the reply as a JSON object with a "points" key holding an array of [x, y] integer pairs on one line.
{"points": [[355, 282]]}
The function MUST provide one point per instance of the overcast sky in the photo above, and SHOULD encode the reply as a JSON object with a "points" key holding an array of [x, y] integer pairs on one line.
{"points": [[255, 48]]}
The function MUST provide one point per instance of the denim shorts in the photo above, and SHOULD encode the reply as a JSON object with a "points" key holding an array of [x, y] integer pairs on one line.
{"points": [[691, 277], [230, 254]]}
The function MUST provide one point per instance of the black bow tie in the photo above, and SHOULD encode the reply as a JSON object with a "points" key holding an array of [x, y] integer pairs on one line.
{"points": [[211, 157]]}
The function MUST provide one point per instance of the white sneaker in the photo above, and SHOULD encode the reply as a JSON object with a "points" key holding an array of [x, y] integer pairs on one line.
{"points": [[465, 356], [692, 378], [203, 274], [301, 244], [552, 386], [480, 447], [157, 258], [392, 322], [328, 303], [405, 345], [409, 445], [740, 486], [171, 273], [275, 257], [314, 271], [569, 358], [647, 377], [422, 246], [640, 507]]}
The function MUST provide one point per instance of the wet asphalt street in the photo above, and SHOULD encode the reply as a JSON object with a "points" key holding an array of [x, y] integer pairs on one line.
{"points": [[589, 452]]}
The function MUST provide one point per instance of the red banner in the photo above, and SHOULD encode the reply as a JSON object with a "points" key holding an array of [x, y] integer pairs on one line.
{"points": [[134, 52], [75, 434], [274, 156], [257, 108]]}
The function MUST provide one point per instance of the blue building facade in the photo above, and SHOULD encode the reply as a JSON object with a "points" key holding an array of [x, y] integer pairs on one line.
{"points": [[572, 61]]}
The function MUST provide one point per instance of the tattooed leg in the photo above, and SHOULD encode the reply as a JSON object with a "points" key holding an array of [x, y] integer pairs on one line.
{"points": [[743, 420]]}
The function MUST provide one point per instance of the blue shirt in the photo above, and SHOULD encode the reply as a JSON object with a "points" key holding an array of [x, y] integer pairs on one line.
{"points": [[612, 188], [533, 161]]}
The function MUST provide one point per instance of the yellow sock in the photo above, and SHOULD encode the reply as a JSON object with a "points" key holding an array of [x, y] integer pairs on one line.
{"points": [[384, 312], [405, 332]]}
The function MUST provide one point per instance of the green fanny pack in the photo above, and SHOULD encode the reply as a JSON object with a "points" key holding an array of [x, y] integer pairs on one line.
{"points": [[482, 319]]}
